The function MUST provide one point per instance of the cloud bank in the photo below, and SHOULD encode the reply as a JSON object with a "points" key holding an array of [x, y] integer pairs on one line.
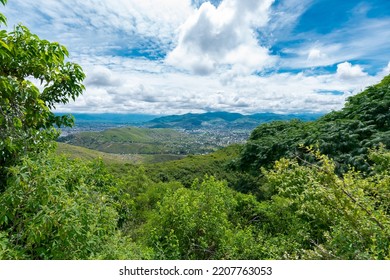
{"points": [[248, 56]]}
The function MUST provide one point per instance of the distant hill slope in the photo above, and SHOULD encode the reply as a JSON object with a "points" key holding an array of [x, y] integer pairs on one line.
{"points": [[344, 135], [74, 152], [191, 167], [223, 120], [207, 132], [135, 140], [87, 154]]}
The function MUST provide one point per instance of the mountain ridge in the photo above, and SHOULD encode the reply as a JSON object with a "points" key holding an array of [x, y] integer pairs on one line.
{"points": [[223, 120]]}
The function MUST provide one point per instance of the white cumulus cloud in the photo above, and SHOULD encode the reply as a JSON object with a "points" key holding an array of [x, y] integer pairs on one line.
{"points": [[223, 37], [315, 54], [348, 71]]}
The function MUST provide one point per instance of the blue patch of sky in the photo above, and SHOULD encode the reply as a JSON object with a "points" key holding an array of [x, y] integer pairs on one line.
{"points": [[278, 70], [324, 16], [282, 49], [198, 3], [312, 71], [369, 66], [43, 16], [140, 47], [378, 8], [330, 92]]}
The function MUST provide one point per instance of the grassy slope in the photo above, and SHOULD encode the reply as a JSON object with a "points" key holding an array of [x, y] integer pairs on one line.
{"points": [[134, 140], [110, 159], [191, 167]]}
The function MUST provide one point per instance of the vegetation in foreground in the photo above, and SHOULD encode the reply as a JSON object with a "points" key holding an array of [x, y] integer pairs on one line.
{"points": [[273, 198]]}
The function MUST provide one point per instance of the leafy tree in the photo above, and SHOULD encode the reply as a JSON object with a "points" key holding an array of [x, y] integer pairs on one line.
{"points": [[49, 211], [271, 141], [34, 77]]}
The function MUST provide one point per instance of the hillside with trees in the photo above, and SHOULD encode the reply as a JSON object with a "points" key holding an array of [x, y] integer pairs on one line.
{"points": [[295, 190], [144, 141], [344, 135]]}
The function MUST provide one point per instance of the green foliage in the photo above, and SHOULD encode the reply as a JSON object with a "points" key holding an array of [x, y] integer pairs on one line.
{"points": [[201, 222], [144, 194], [192, 167], [26, 120], [3, 20], [192, 223], [60, 209], [50, 211], [270, 142], [325, 216], [216, 164]]}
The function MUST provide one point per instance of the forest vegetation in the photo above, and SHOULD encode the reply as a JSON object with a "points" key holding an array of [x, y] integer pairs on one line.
{"points": [[294, 190]]}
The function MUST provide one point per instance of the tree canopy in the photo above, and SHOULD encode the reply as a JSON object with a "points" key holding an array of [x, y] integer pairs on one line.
{"points": [[34, 76]]}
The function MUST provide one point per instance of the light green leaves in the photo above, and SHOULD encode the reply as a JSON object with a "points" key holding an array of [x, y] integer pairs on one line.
{"points": [[329, 216], [56, 209]]}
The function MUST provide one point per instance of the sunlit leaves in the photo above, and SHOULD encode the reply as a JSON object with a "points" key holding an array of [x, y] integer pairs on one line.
{"points": [[329, 216]]}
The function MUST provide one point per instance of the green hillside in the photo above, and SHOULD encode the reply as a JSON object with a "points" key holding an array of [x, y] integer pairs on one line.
{"points": [[191, 167], [134, 140], [73, 152]]}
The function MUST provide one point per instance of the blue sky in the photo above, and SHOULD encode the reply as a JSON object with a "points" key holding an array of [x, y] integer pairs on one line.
{"points": [[246, 56]]}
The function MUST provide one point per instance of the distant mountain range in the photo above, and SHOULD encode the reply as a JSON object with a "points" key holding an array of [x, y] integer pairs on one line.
{"points": [[205, 121], [172, 135], [223, 120], [112, 118]]}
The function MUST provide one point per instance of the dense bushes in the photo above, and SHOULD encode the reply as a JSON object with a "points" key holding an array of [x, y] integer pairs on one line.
{"points": [[330, 217], [57, 209]]}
